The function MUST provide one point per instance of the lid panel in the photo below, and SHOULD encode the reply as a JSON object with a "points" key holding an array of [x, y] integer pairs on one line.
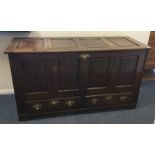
{"points": [[34, 45], [30, 44], [122, 42], [63, 43], [94, 43]]}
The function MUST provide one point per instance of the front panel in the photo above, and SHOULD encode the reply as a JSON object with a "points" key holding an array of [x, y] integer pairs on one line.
{"points": [[46, 83], [46, 77], [126, 70], [111, 72]]}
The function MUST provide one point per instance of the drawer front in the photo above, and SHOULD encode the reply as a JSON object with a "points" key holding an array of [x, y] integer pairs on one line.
{"points": [[109, 100], [52, 105]]}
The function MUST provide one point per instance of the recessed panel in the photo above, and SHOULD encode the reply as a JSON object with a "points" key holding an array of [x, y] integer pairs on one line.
{"points": [[127, 70], [122, 42], [35, 76], [94, 43], [98, 72], [68, 74], [63, 43], [30, 44]]}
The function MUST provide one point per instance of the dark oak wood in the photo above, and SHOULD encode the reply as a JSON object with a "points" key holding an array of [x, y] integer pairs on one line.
{"points": [[57, 75], [150, 63], [54, 45]]}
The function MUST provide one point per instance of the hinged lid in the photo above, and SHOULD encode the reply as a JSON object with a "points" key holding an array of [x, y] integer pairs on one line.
{"points": [[35, 45]]}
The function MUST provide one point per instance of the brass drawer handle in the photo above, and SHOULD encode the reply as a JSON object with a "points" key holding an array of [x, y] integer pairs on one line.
{"points": [[123, 98], [108, 98], [37, 106], [54, 102], [84, 56], [70, 103], [94, 100]]}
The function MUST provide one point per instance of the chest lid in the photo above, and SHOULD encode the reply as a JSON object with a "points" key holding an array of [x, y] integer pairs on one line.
{"points": [[38, 45]]}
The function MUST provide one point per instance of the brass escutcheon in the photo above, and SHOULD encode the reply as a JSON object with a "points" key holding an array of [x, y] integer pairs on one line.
{"points": [[123, 98], [69, 103], [108, 97], [84, 56], [54, 102], [94, 100], [37, 106]]}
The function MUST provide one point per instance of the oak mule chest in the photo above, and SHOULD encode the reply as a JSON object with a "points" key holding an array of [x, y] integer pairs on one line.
{"points": [[68, 75]]}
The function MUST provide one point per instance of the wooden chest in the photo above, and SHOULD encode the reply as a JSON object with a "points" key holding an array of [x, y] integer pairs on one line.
{"points": [[68, 75]]}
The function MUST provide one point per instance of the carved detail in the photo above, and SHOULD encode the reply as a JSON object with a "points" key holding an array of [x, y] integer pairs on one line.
{"points": [[94, 100], [108, 97], [37, 106], [123, 98], [70, 103], [84, 56], [54, 102]]}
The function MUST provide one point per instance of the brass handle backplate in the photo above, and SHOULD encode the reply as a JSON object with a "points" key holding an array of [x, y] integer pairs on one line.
{"points": [[69, 103], [94, 100], [123, 98], [37, 106], [84, 56], [54, 102], [108, 97]]}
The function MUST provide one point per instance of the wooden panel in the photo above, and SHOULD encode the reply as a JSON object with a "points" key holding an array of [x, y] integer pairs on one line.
{"points": [[127, 70], [69, 73], [17, 77], [50, 76], [63, 43], [98, 72], [48, 45], [35, 76], [52, 72], [122, 42], [94, 43], [95, 70], [112, 73], [30, 44]]}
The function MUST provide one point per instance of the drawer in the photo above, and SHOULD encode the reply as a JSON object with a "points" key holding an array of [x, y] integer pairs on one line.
{"points": [[43, 106], [109, 100]]}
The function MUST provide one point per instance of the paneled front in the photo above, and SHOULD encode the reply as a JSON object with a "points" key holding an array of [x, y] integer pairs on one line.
{"points": [[55, 75], [126, 70], [107, 73], [68, 73], [96, 72], [50, 76], [35, 76]]}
